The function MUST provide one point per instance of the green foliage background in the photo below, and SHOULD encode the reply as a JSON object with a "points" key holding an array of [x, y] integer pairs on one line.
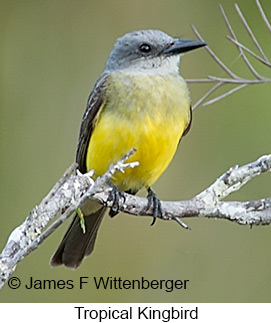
{"points": [[51, 53]]}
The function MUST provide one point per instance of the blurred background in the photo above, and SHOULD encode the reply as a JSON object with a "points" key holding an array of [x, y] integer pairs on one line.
{"points": [[51, 54]]}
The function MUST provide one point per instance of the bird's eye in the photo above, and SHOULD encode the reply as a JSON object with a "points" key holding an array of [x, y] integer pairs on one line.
{"points": [[145, 48]]}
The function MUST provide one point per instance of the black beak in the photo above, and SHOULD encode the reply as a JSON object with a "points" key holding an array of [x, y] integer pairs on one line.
{"points": [[179, 46]]}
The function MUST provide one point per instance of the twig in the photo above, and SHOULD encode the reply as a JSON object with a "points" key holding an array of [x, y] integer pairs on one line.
{"points": [[213, 55], [216, 86], [222, 96], [251, 34], [233, 78], [263, 15], [251, 68], [264, 61]]}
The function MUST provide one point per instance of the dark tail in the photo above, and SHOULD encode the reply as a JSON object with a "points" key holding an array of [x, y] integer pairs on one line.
{"points": [[75, 244]]}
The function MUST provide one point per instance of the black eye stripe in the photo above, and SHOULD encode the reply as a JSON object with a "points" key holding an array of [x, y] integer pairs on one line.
{"points": [[145, 48]]}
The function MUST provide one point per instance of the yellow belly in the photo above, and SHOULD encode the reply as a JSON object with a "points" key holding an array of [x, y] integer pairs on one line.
{"points": [[149, 113]]}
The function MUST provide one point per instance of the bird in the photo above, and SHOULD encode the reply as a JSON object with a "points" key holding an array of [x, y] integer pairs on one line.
{"points": [[140, 101]]}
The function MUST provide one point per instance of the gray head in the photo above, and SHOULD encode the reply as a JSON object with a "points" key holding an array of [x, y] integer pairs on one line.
{"points": [[149, 50]]}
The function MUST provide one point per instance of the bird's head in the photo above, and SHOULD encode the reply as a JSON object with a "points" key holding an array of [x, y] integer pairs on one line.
{"points": [[149, 50]]}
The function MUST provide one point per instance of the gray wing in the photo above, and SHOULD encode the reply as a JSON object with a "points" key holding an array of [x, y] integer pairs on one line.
{"points": [[189, 123], [187, 127], [94, 103]]}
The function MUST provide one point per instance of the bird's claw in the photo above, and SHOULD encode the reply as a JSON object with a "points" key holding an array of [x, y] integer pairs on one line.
{"points": [[115, 196], [154, 201]]}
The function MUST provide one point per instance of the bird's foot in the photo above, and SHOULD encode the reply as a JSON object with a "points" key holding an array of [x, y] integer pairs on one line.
{"points": [[154, 201], [115, 196]]}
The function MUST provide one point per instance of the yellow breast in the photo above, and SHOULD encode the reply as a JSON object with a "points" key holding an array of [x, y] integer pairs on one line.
{"points": [[147, 112]]}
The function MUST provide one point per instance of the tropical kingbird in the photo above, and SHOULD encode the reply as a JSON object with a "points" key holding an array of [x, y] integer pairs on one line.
{"points": [[140, 101]]}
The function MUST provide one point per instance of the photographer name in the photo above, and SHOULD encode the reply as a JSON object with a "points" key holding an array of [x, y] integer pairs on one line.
{"points": [[109, 283]]}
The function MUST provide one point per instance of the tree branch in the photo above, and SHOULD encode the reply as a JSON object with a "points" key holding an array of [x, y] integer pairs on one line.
{"points": [[71, 191]]}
